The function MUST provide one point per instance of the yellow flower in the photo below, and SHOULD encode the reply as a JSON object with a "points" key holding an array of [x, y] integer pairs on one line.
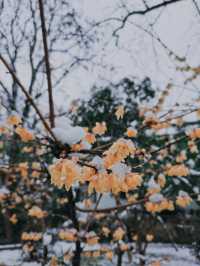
{"points": [[135, 237], [109, 255], [3, 196], [14, 120], [118, 234], [124, 247], [120, 150], [178, 170], [92, 238], [67, 257], [105, 231], [159, 206], [27, 149], [24, 134], [161, 180], [90, 138], [96, 254], [35, 211], [23, 168], [132, 198], [104, 182], [155, 263], [195, 134], [13, 219], [36, 166], [131, 133], [87, 203], [183, 200], [77, 147], [35, 174], [3, 130], [133, 180], [120, 112], [63, 173], [181, 157], [100, 128], [87, 173], [192, 146], [32, 236], [149, 237], [54, 261], [68, 235]]}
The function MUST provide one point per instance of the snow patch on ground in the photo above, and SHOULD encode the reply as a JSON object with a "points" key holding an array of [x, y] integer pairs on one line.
{"points": [[168, 255]]}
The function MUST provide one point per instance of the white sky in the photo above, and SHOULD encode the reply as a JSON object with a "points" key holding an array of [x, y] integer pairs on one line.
{"points": [[137, 54]]}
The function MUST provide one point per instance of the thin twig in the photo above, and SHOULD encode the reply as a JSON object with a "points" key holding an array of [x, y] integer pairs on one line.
{"points": [[116, 208], [48, 69], [28, 96]]}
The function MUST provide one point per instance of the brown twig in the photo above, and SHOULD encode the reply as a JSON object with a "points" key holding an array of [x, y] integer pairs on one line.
{"points": [[28, 96], [48, 69], [116, 208]]}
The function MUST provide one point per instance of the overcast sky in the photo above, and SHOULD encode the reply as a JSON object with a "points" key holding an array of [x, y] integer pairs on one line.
{"points": [[137, 53]]}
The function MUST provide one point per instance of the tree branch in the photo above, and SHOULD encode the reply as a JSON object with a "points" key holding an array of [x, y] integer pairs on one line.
{"points": [[28, 96], [116, 208], [143, 12], [48, 69]]}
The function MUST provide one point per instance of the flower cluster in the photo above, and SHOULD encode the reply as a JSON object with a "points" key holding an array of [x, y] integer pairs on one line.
{"points": [[32, 236], [119, 151]]}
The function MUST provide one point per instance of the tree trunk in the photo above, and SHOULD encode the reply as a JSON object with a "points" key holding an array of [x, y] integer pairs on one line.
{"points": [[119, 258], [8, 228], [76, 261]]}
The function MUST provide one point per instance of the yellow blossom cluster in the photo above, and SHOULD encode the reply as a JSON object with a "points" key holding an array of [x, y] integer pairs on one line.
{"points": [[109, 182], [68, 235], [90, 138], [149, 237], [14, 120], [159, 206], [155, 263], [104, 250], [161, 180], [192, 146], [118, 234], [120, 112], [13, 219], [131, 133], [181, 157], [178, 170], [105, 231], [100, 128], [24, 134], [35, 211], [195, 133], [32, 236], [23, 169], [120, 150], [91, 238], [63, 173], [3, 196], [183, 200]]}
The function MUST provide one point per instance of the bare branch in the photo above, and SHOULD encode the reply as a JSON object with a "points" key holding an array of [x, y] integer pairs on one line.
{"points": [[116, 208], [197, 7], [48, 69], [143, 12], [28, 96]]}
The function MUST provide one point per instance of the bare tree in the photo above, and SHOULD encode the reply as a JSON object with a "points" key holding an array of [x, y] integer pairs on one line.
{"points": [[22, 46]]}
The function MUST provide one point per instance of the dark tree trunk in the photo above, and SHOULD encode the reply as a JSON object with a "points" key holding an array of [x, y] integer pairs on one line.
{"points": [[119, 258], [76, 261]]}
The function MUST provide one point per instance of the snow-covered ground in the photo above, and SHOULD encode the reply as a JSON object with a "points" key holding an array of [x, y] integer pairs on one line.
{"points": [[163, 252]]}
